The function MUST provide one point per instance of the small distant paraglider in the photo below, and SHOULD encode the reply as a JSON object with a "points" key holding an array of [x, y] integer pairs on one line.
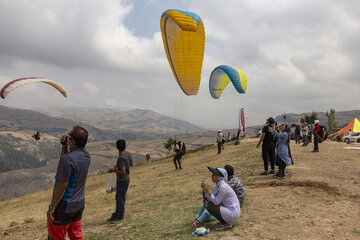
{"points": [[11, 86], [184, 42], [222, 75]]}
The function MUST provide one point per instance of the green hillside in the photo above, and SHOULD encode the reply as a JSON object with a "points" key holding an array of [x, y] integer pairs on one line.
{"points": [[319, 199]]}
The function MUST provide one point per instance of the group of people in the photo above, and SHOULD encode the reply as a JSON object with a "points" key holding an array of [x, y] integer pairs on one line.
{"points": [[275, 148], [223, 202], [220, 139], [275, 140], [68, 199]]}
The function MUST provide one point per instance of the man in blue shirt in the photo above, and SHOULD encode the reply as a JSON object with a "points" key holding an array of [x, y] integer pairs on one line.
{"points": [[68, 200]]}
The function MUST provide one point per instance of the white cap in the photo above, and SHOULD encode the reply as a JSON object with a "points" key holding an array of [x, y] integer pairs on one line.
{"points": [[316, 121]]}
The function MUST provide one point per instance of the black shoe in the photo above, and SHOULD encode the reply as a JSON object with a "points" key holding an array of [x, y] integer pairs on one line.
{"points": [[271, 172], [264, 173], [277, 175], [113, 220]]}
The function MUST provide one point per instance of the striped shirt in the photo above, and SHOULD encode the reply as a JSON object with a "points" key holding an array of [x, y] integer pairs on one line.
{"points": [[238, 188]]}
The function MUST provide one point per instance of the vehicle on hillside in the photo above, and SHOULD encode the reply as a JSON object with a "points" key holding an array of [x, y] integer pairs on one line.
{"points": [[354, 137]]}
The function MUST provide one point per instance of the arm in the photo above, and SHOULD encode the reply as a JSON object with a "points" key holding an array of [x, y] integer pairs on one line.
{"points": [[121, 171], [64, 148], [261, 139], [279, 135], [218, 199], [58, 195]]}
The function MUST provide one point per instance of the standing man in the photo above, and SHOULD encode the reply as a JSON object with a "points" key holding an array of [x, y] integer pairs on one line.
{"points": [[122, 170], [316, 134], [219, 140], [268, 146], [305, 132], [68, 200], [180, 150]]}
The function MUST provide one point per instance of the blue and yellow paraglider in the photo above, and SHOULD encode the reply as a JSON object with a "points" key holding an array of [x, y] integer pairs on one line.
{"points": [[222, 75], [184, 41]]}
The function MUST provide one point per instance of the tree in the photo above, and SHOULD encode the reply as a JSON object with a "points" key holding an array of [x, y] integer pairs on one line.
{"points": [[309, 119], [168, 145], [331, 119], [147, 157]]}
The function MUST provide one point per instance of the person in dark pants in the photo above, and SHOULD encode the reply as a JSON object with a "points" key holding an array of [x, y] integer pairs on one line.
{"points": [[316, 133], [68, 200], [219, 141], [180, 150], [122, 170], [268, 146]]}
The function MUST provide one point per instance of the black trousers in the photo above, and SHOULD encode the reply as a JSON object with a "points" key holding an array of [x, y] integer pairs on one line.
{"points": [[316, 144], [219, 147], [121, 189], [177, 158], [268, 155], [215, 211]]}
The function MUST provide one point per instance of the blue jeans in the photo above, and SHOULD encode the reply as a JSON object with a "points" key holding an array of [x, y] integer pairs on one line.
{"points": [[121, 189]]}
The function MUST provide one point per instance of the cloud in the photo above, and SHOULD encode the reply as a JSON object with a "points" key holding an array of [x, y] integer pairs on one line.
{"points": [[298, 55], [91, 88]]}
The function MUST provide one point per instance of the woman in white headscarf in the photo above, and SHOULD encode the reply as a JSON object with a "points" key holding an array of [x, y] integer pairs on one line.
{"points": [[222, 202]]}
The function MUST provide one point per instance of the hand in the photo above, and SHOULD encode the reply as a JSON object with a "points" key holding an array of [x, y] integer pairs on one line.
{"points": [[50, 214], [258, 145], [111, 170], [63, 140]]}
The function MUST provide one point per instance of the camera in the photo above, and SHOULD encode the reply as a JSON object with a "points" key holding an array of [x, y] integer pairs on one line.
{"points": [[64, 141]]}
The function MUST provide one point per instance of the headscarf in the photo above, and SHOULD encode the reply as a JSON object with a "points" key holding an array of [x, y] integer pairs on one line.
{"points": [[221, 179]]}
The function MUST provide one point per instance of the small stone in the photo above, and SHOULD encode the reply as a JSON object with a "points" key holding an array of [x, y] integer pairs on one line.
{"points": [[13, 224]]}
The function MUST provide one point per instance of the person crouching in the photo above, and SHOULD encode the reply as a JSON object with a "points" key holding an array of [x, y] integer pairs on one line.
{"points": [[222, 202]]}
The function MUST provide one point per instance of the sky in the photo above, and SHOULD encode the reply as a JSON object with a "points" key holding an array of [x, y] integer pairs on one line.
{"points": [[298, 56]]}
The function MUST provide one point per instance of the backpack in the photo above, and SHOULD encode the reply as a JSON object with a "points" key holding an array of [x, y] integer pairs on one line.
{"points": [[323, 133], [223, 140], [183, 149]]}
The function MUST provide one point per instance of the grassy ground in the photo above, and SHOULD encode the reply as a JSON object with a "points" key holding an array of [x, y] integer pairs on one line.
{"points": [[319, 199]]}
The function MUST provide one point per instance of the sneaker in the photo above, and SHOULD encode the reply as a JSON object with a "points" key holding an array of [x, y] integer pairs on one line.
{"points": [[277, 175], [196, 223], [117, 220], [315, 151], [264, 173], [272, 172], [220, 226], [114, 219]]}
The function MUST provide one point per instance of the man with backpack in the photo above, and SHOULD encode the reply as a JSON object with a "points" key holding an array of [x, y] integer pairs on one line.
{"points": [[180, 150]]}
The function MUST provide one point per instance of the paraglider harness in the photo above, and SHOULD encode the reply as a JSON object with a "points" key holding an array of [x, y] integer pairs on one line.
{"points": [[322, 134], [36, 136], [180, 149]]}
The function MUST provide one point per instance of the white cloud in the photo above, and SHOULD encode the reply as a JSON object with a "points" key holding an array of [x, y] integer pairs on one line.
{"points": [[91, 88], [298, 55]]}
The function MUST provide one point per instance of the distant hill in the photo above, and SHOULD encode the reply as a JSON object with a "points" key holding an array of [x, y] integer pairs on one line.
{"points": [[137, 121], [18, 150], [342, 117]]}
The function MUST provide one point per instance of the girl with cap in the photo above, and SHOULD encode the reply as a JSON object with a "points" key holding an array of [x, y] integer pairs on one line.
{"points": [[222, 202]]}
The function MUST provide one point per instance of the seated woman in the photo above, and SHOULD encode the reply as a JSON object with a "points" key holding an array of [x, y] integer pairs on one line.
{"points": [[222, 202], [283, 150]]}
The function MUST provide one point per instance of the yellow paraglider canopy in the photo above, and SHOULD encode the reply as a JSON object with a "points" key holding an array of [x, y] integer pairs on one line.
{"points": [[184, 41]]}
